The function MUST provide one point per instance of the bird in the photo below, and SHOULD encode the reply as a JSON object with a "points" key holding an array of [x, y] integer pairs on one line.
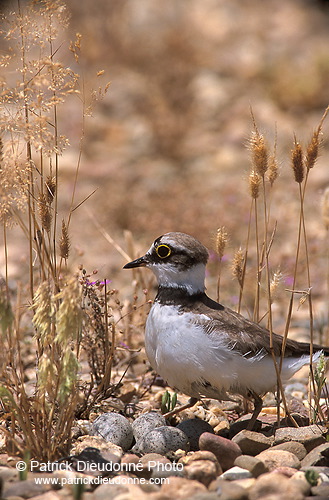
{"points": [[201, 347]]}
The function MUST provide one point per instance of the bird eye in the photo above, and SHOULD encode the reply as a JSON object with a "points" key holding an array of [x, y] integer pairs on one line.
{"points": [[163, 251]]}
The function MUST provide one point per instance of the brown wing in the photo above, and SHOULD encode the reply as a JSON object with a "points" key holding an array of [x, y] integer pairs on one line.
{"points": [[245, 335]]}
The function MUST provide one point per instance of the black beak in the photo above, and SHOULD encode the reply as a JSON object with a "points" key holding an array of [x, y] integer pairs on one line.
{"points": [[140, 262]]}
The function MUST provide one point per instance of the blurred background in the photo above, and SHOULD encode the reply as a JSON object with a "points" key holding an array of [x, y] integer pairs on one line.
{"points": [[165, 148]]}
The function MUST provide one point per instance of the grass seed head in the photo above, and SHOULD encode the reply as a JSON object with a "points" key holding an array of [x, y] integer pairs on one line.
{"points": [[312, 151], [69, 314], [221, 240], [44, 212], [43, 313], [275, 282], [64, 242], [50, 189], [254, 184], [68, 377], [297, 162], [273, 170], [259, 153], [238, 266]]}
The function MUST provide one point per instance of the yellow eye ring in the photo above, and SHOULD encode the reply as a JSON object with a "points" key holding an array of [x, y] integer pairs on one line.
{"points": [[163, 251]]}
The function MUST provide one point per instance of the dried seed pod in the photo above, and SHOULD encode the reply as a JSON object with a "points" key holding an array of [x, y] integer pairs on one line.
{"points": [[297, 162], [50, 189], [64, 242], [238, 265], [221, 240], [259, 153], [254, 184], [44, 212]]}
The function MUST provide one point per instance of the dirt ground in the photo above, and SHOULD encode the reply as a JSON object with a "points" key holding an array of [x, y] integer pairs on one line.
{"points": [[165, 149]]}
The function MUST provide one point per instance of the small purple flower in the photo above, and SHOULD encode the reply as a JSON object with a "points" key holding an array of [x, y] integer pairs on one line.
{"points": [[289, 281]]}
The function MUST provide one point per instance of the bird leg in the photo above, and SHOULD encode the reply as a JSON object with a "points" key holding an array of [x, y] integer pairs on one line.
{"points": [[258, 405], [191, 403]]}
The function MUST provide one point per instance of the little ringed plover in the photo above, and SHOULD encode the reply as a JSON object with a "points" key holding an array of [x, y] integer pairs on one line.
{"points": [[200, 347]]}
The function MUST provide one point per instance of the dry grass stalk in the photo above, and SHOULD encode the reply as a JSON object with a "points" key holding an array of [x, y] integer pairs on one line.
{"points": [[325, 208], [29, 196]]}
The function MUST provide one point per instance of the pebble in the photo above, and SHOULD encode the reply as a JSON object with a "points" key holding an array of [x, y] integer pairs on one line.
{"points": [[225, 450], [320, 469], [310, 436], [286, 471], [205, 496], [275, 486], [8, 474], [252, 443], [302, 482], [193, 428], [294, 447], [108, 491], [158, 466], [199, 455], [202, 466], [115, 428], [146, 422], [178, 487], [321, 490], [25, 489], [204, 471], [252, 464], [279, 458], [51, 495], [318, 456], [103, 446], [162, 440], [236, 472], [227, 490]]}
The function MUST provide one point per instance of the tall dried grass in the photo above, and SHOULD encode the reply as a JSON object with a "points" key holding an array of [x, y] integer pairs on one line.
{"points": [[55, 318]]}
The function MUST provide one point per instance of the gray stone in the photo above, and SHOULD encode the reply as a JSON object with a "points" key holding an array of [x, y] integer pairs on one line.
{"points": [[25, 489], [294, 447], [228, 490], [252, 464], [162, 440], [279, 458], [8, 473], [275, 486], [225, 450], [115, 428], [301, 482], [146, 422], [317, 468], [205, 496], [109, 491], [321, 490], [318, 456], [310, 436], [252, 443], [204, 471], [236, 473], [193, 428]]}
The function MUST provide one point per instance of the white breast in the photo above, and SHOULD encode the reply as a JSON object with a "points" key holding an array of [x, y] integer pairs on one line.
{"points": [[202, 364]]}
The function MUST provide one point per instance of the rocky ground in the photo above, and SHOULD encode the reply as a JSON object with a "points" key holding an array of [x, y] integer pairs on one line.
{"points": [[202, 454]]}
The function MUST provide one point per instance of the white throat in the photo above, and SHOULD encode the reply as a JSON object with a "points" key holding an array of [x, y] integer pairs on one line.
{"points": [[169, 276]]}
